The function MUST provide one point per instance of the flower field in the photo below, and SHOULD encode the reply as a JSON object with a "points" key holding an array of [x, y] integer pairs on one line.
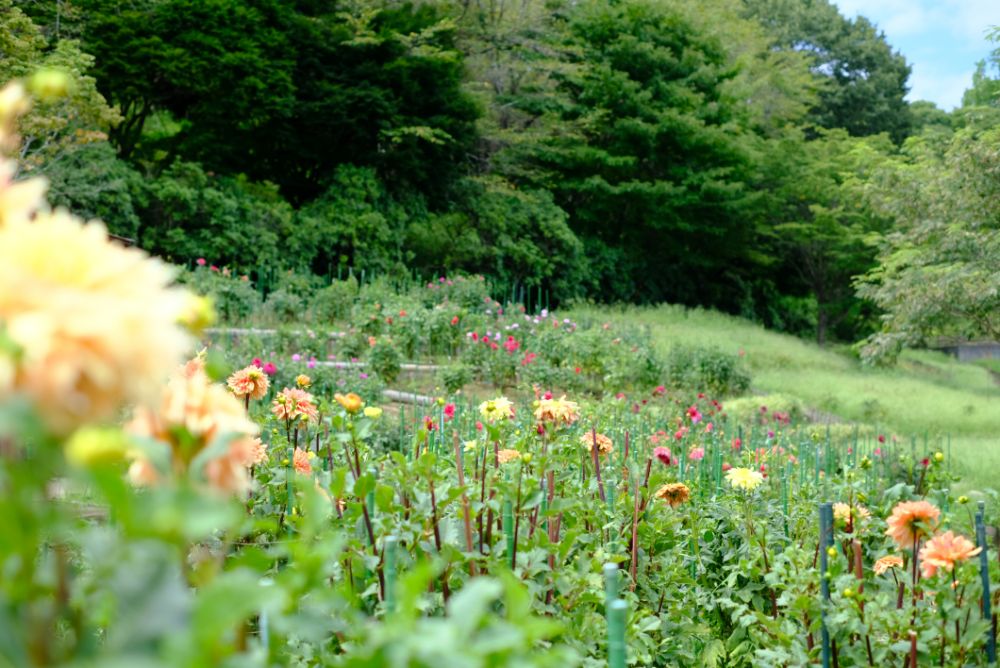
{"points": [[567, 497]]}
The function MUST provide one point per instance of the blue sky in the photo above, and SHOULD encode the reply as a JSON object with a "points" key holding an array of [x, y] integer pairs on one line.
{"points": [[941, 39]]}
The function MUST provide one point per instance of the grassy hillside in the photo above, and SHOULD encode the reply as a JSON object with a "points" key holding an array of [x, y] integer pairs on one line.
{"points": [[926, 393]]}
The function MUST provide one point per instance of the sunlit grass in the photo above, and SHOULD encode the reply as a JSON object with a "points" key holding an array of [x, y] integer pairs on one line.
{"points": [[927, 393]]}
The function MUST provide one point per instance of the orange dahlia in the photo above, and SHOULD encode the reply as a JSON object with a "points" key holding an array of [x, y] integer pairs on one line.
{"points": [[250, 382], [944, 551], [885, 563], [674, 493], [910, 521], [508, 456], [604, 444], [302, 461], [351, 402]]}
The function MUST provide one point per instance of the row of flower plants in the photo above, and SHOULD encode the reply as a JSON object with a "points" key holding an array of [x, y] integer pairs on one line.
{"points": [[454, 322], [159, 512]]}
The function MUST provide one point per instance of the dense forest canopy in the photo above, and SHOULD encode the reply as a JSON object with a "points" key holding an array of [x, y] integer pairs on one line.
{"points": [[756, 156]]}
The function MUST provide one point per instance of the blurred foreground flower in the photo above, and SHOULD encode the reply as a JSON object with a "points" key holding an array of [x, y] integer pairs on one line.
{"points": [[88, 326], [192, 413]]}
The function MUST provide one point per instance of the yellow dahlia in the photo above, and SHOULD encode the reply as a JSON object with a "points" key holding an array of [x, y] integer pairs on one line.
{"points": [[557, 411], [94, 323], [847, 516], [744, 478], [497, 409]]}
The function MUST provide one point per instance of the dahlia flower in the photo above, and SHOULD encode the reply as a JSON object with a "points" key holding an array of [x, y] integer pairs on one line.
{"points": [[944, 551], [910, 521]]}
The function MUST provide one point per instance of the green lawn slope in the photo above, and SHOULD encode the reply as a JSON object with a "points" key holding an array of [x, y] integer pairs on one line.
{"points": [[926, 393]]}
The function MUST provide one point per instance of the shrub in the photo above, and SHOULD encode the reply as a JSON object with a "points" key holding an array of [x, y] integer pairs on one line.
{"points": [[706, 369], [455, 377], [284, 306], [385, 360], [334, 302]]}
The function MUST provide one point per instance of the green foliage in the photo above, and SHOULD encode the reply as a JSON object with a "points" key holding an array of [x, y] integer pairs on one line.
{"points": [[647, 160], [234, 299], [455, 377], [188, 213], [707, 369], [514, 236], [284, 305], [937, 269], [354, 224], [385, 359], [334, 302], [863, 80]]}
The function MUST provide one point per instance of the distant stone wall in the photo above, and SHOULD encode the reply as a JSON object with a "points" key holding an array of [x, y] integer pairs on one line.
{"points": [[970, 352]]}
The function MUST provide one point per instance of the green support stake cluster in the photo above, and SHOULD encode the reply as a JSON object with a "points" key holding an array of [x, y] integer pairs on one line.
{"points": [[615, 610], [984, 573]]}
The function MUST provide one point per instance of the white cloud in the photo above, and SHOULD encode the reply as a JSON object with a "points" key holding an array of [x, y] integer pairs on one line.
{"points": [[943, 88], [942, 40]]}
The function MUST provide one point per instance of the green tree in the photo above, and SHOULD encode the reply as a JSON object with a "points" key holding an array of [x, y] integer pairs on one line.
{"points": [[824, 228], [287, 92], [188, 213], [865, 80], [646, 154], [937, 274], [518, 237], [57, 124]]}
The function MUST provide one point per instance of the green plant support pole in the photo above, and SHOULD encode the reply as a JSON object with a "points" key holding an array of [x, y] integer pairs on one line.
{"points": [[391, 543], [784, 495], [825, 540], [984, 573], [370, 496], [816, 461], [289, 492], [612, 584], [508, 529], [616, 633]]}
